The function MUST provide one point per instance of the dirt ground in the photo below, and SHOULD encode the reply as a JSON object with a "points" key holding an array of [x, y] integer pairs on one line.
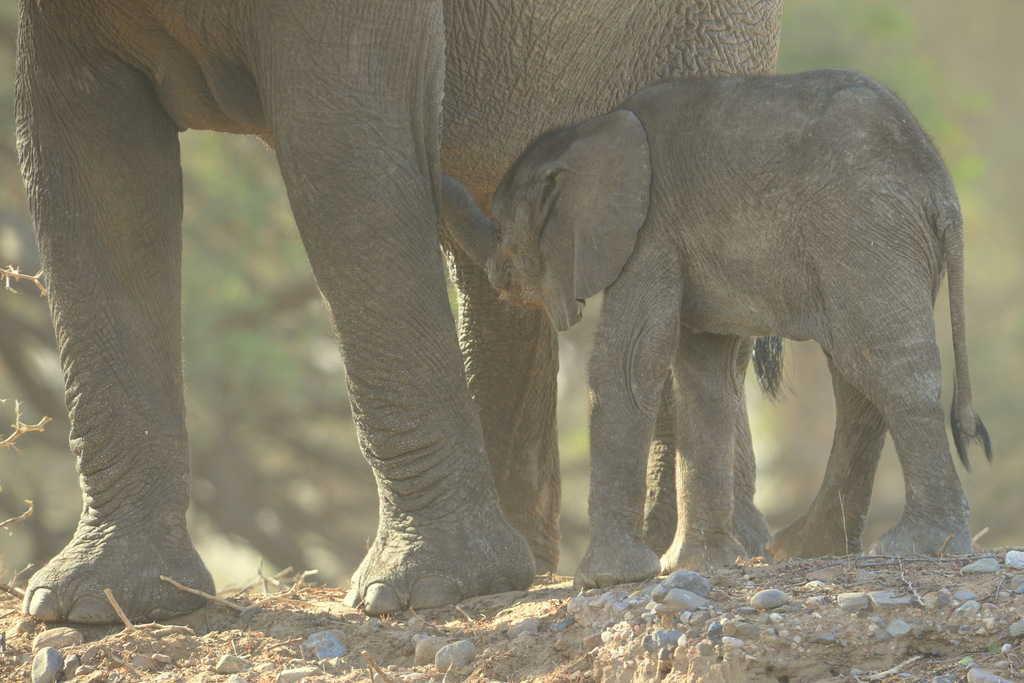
{"points": [[842, 619]]}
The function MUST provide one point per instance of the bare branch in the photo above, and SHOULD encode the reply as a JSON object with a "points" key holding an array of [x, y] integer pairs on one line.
{"points": [[20, 518], [11, 273], [20, 427]]}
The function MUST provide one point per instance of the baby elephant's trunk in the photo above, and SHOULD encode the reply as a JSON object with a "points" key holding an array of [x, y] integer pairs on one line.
{"points": [[466, 222]]}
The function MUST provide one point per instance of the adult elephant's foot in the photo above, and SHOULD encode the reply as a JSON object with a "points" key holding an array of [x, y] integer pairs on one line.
{"points": [[613, 559], [710, 550], [924, 538], [807, 537], [127, 559], [424, 563]]}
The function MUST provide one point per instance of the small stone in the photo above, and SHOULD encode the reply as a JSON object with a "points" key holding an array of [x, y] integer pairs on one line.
{"points": [[825, 573], [70, 666], [863, 576], [663, 638], [986, 565], [527, 625], [296, 674], [977, 675], [730, 643], [705, 648], [326, 644], [881, 635], [898, 627], [687, 580], [162, 659], [715, 632], [560, 626], [1017, 628], [682, 600], [888, 600], [263, 668], [236, 678], [457, 656], [936, 599], [426, 648], [967, 610], [964, 596], [46, 665], [232, 664], [144, 662], [769, 599], [823, 639], [592, 641], [62, 636], [83, 670], [854, 602]]}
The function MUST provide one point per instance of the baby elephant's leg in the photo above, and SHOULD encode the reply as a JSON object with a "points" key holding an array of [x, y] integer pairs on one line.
{"points": [[834, 523], [630, 363], [707, 397]]}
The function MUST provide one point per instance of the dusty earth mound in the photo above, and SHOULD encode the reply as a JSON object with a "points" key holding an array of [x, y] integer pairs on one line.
{"points": [[849, 619]]}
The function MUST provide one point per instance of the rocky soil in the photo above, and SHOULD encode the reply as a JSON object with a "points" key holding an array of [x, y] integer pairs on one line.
{"points": [[846, 619]]}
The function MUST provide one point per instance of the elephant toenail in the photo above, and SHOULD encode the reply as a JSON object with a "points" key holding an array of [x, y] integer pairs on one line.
{"points": [[42, 604], [380, 599], [434, 591], [91, 609]]}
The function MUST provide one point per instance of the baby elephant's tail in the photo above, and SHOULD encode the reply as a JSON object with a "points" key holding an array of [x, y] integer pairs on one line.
{"points": [[966, 425]]}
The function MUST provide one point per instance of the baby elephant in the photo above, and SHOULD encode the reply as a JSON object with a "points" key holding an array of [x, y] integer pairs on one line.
{"points": [[809, 206]]}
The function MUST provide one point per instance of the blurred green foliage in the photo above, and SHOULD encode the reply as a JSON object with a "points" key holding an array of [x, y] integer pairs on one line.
{"points": [[276, 467]]}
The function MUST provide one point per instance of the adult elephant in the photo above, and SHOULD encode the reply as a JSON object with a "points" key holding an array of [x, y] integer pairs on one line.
{"points": [[349, 95]]}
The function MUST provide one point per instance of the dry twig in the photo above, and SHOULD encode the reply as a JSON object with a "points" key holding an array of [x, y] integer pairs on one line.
{"points": [[20, 427], [945, 544], [11, 273], [374, 668], [128, 625], [896, 669], [903, 575], [20, 518], [214, 598], [16, 592]]}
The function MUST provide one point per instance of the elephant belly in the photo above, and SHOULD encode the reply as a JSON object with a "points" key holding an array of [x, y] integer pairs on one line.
{"points": [[737, 313]]}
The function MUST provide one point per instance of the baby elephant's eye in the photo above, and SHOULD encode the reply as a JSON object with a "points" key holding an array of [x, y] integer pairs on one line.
{"points": [[497, 233]]}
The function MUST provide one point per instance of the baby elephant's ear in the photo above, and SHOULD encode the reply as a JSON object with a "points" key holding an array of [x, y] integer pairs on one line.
{"points": [[612, 157]]}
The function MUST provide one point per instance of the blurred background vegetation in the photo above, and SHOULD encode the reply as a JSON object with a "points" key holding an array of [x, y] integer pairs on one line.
{"points": [[277, 474]]}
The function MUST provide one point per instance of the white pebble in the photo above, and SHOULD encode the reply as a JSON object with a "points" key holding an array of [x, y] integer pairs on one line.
{"points": [[1014, 558]]}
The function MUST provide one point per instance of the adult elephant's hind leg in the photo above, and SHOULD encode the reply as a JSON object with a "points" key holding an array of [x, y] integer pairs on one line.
{"points": [[357, 142], [101, 164]]}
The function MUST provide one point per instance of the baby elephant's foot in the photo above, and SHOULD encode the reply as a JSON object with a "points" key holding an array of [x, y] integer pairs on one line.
{"points": [[907, 538], [709, 550], [130, 563], [804, 538], [619, 559]]}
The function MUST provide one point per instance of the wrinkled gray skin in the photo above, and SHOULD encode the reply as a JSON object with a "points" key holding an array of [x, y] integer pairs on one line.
{"points": [[808, 206], [349, 96]]}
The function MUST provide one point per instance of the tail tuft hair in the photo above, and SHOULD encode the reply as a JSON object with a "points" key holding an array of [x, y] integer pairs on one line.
{"points": [[962, 440], [768, 365]]}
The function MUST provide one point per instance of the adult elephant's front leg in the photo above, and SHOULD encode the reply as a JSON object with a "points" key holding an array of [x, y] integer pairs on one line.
{"points": [[360, 162], [100, 159]]}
